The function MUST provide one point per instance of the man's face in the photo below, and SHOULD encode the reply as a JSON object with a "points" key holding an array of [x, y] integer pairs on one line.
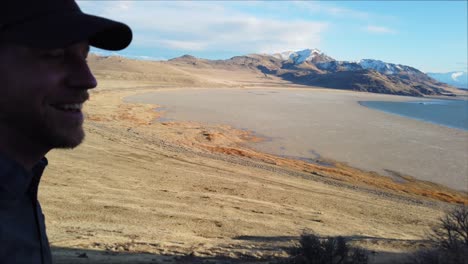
{"points": [[42, 91]]}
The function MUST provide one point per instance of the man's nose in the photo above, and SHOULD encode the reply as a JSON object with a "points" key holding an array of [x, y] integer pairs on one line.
{"points": [[80, 76]]}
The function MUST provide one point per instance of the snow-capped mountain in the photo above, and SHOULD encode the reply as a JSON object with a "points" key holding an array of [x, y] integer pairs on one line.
{"points": [[324, 62], [456, 78], [313, 67], [385, 68], [307, 55]]}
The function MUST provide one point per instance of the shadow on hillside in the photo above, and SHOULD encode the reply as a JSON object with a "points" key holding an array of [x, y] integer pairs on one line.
{"points": [[358, 80], [63, 255], [348, 238], [375, 256]]}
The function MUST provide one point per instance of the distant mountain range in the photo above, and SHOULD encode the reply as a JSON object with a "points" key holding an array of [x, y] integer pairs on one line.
{"points": [[457, 78], [313, 67]]}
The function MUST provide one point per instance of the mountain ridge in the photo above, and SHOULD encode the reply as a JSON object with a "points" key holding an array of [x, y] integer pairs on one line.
{"points": [[312, 67], [315, 68]]}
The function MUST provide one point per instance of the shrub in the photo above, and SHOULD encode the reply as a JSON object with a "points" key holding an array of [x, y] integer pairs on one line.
{"points": [[449, 239], [334, 250]]}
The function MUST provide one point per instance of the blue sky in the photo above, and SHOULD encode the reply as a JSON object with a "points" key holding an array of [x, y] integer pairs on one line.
{"points": [[428, 35]]}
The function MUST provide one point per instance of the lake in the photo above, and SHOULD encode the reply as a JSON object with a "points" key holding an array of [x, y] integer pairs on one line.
{"points": [[310, 124], [451, 113]]}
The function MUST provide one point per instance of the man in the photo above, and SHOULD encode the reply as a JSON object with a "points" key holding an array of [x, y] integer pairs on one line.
{"points": [[44, 80]]}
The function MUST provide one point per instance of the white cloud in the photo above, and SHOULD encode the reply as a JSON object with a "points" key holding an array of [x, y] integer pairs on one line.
{"points": [[316, 7], [455, 75], [379, 29], [123, 5], [197, 26], [100, 6], [183, 45]]}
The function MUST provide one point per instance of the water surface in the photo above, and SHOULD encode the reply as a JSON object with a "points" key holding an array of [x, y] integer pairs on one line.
{"points": [[451, 113]]}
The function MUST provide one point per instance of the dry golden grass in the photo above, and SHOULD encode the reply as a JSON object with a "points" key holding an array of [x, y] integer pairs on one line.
{"points": [[139, 191]]}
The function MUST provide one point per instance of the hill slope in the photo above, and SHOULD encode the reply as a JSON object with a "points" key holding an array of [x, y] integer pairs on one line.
{"points": [[312, 67]]}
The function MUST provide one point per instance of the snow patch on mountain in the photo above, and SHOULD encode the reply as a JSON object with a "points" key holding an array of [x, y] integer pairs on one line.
{"points": [[365, 64], [306, 55], [339, 66], [302, 56], [377, 65], [385, 68]]}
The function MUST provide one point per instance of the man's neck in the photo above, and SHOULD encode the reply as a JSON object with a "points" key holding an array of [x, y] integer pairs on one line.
{"points": [[21, 148]]}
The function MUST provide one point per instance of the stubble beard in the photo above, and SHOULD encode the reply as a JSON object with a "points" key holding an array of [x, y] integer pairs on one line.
{"points": [[47, 134], [61, 136], [61, 140]]}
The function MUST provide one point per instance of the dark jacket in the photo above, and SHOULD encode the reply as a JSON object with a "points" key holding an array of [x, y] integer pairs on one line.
{"points": [[23, 236]]}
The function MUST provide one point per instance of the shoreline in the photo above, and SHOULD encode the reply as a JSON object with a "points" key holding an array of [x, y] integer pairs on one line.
{"points": [[379, 123]]}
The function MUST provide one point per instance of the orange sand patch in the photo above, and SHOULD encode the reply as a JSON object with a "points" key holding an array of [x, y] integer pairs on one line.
{"points": [[232, 141], [138, 115], [351, 175]]}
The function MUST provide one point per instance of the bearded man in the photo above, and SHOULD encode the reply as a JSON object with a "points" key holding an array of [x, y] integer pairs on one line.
{"points": [[44, 81]]}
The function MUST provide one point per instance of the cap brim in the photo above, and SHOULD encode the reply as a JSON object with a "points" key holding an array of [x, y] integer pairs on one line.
{"points": [[62, 30]]}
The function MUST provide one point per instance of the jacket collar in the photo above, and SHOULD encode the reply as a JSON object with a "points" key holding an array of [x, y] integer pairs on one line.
{"points": [[16, 181]]}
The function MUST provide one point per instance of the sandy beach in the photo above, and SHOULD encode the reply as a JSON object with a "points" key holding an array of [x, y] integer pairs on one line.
{"points": [[141, 191]]}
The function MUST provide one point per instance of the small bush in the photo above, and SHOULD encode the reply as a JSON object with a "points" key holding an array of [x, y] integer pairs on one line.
{"points": [[334, 250], [449, 239]]}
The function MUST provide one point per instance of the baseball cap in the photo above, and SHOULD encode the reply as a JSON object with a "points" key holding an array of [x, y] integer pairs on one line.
{"points": [[54, 24]]}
